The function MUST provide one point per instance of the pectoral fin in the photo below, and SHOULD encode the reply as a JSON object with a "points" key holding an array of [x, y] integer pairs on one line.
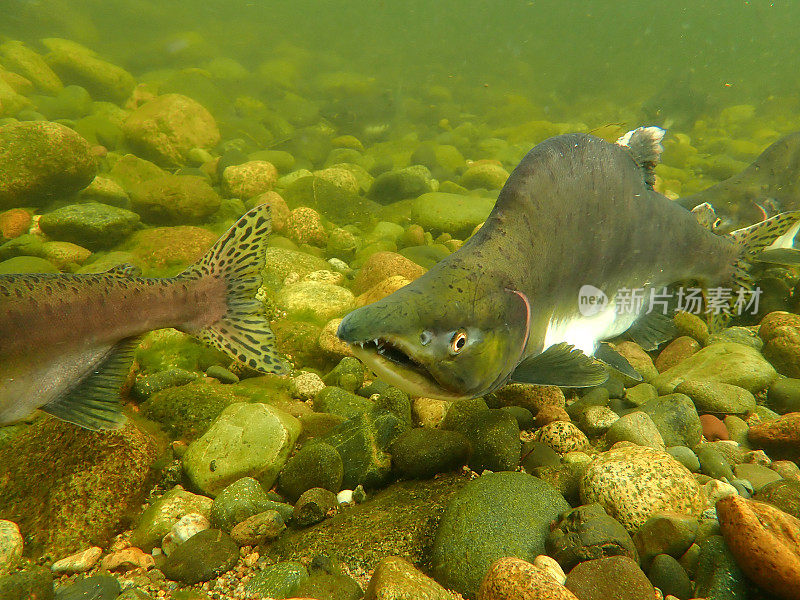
{"points": [[616, 361], [93, 403], [652, 329], [562, 365]]}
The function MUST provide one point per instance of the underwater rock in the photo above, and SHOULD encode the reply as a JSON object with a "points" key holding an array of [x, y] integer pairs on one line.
{"points": [[174, 200], [492, 433], [313, 506], [638, 428], [158, 519], [35, 583], [716, 397], [728, 362], [670, 577], [203, 556], [277, 581], [186, 527], [783, 494], [395, 578], [779, 437], [315, 301], [11, 103], [17, 57], [245, 440], [512, 577], [304, 226], [77, 64], [764, 542], [306, 385], [130, 170], [485, 175], [66, 509], [334, 203], [280, 262], [334, 586], [168, 127], [315, 465], [249, 179], [783, 351], [675, 352], [664, 533], [340, 177], [41, 160], [489, 518], [603, 578], [633, 482], [258, 529], [241, 500], [162, 249], [381, 265], [713, 463], [562, 436], [14, 223], [11, 545], [348, 374], [440, 212], [756, 475], [676, 419], [96, 587], [80, 562], [587, 533], [106, 191], [93, 225], [422, 453], [784, 396], [126, 560], [408, 182]]}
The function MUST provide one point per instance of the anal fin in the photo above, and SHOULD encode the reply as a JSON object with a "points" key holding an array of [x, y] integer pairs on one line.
{"points": [[94, 402], [562, 365]]}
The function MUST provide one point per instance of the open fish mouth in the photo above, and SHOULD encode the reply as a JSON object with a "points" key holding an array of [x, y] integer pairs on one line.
{"points": [[393, 361]]}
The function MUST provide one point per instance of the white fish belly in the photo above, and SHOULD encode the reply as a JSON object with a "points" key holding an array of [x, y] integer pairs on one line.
{"points": [[586, 332]]}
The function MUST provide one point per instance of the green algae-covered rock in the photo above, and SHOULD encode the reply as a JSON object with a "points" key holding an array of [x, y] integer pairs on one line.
{"points": [[492, 433], [77, 64], [783, 493], [784, 396], [93, 225], [35, 583], [676, 418], [348, 374], [728, 362], [189, 410], [337, 401], [332, 586], [50, 488], [166, 129], [457, 215], [424, 452], [277, 581], [717, 397], [246, 440], [241, 500], [315, 465], [315, 301], [408, 182], [205, 555], [151, 384], [362, 442], [41, 160], [174, 200], [100, 587], [636, 427], [26, 264], [17, 57], [397, 402], [281, 261], [496, 515], [166, 349], [488, 176], [717, 575], [331, 201], [158, 518], [130, 171]]}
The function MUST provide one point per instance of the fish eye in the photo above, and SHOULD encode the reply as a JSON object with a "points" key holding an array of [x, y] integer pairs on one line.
{"points": [[458, 341]]}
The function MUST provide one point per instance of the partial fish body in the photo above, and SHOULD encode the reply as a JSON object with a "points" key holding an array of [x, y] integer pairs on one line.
{"points": [[67, 341], [577, 211]]}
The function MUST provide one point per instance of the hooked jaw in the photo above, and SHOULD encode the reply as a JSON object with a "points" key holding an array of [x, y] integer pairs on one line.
{"points": [[394, 360]]}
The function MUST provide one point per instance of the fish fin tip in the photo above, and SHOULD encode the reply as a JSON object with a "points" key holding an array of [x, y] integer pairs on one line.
{"points": [[755, 241], [94, 402], [238, 257], [608, 355], [652, 329], [562, 365], [644, 145]]}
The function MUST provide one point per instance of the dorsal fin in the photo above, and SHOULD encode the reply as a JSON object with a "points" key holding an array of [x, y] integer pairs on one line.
{"points": [[644, 144]]}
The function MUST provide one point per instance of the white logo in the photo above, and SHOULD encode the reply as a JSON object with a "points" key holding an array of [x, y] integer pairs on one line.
{"points": [[591, 300]]}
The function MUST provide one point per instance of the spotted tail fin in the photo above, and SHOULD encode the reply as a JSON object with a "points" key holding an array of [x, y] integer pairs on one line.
{"points": [[237, 257], [755, 241]]}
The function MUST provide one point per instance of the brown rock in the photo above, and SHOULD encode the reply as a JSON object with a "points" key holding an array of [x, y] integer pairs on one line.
{"points": [[395, 578], [532, 397], [512, 578], [675, 352], [127, 559], [330, 344], [381, 265], [714, 428], [249, 179], [604, 578], [771, 322], [14, 222], [765, 542], [278, 209], [170, 247], [779, 437], [304, 226], [563, 437], [166, 128], [549, 414]]}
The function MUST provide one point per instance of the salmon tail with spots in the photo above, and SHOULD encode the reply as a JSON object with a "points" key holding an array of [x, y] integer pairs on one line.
{"points": [[236, 259]]}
